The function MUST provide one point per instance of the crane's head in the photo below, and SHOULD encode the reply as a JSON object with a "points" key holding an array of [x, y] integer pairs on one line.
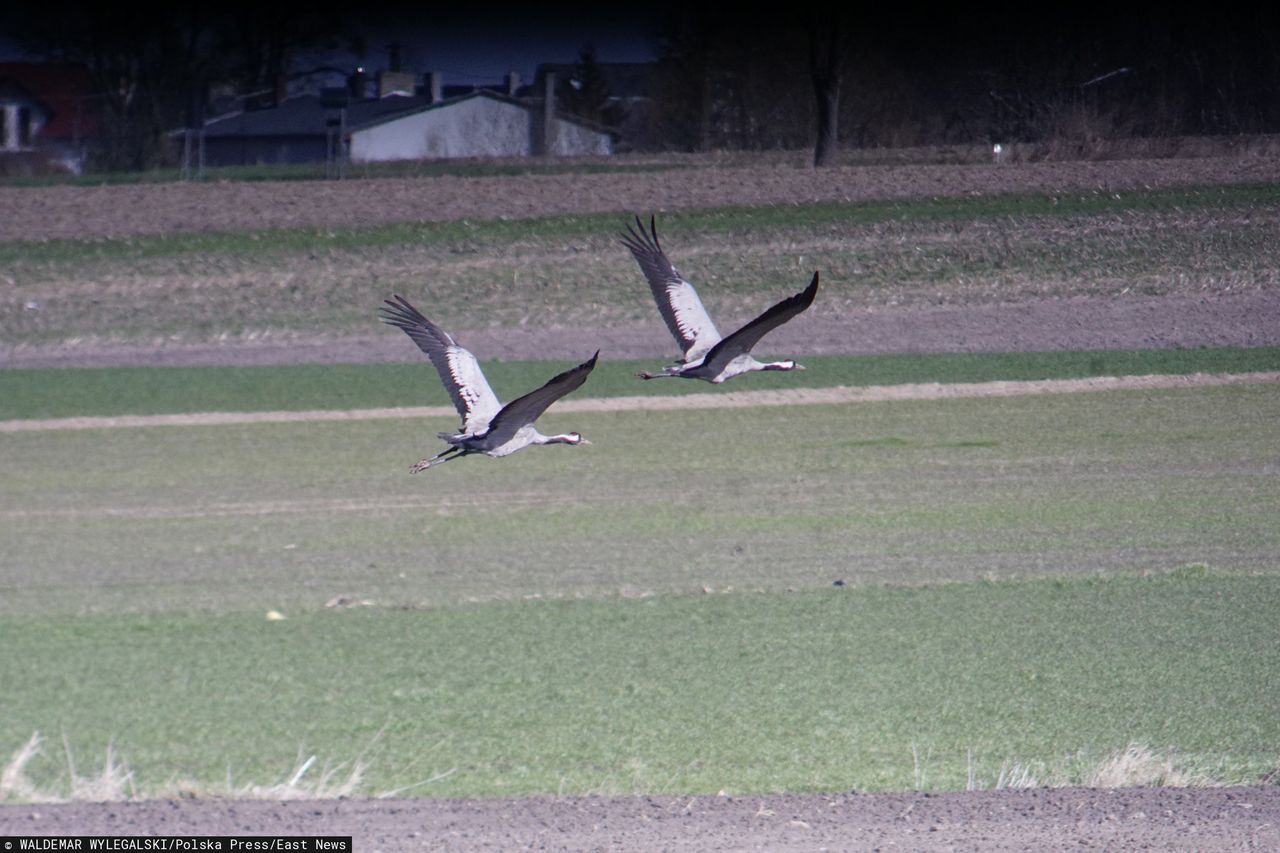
{"points": [[784, 365]]}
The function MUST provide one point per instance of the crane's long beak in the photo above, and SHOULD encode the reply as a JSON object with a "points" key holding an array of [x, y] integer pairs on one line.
{"points": [[584, 441]]}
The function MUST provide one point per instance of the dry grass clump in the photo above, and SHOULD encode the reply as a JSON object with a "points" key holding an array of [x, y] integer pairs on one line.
{"points": [[14, 784], [1137, 766], [1015, 776], [330, 782], [114, 782]]}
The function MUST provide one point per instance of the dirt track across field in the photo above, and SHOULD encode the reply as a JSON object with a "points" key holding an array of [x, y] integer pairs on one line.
{"points": [[723, 400]]}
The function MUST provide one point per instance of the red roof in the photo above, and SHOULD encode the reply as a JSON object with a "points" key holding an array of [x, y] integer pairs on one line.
{"points": [[66, 90]]}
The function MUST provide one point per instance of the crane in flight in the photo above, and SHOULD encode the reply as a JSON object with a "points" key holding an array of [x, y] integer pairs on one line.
{"points": [[707, 355], [488, 427]]}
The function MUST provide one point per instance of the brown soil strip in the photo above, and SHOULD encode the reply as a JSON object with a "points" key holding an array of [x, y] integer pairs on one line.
{"points": [[1238, 818], [83, 212], [722, 400]]}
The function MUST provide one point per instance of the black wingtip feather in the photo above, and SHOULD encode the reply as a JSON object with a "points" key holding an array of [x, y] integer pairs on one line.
{"points": [[804, 298], [812, 290], [643, 241], [401, 313]]}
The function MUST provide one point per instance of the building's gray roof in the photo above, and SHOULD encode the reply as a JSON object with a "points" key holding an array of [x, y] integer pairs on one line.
{"points": [[303, 116]]}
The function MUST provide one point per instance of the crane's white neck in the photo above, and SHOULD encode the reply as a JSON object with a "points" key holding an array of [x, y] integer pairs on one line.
{"points": [[563, 438]]}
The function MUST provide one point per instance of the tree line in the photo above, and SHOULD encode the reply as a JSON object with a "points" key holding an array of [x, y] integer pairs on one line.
{"points": [[821, 75], [155, 68], [804, 75]]}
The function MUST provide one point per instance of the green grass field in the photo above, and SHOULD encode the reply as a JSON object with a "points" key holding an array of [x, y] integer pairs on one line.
{"points": [[827, 689], [880, 596], [1038, 580]]}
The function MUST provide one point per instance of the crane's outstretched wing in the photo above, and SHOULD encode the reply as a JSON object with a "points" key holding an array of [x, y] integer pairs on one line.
{"points": [[525, 410], [459, 371], [678, 302], [743, 340]]}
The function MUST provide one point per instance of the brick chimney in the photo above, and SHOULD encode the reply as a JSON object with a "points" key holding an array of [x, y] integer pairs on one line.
{"points": [[513, 84], [395, 83]]}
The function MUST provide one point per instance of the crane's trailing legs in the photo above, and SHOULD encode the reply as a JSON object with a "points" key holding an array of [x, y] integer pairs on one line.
{"points": [[439, 459]]}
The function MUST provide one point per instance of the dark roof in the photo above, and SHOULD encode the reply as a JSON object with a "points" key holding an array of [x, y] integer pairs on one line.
{"points": [[453, 90], [65, 90], [303, 116]]}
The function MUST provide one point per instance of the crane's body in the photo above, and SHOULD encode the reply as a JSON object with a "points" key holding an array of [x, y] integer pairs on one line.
{"points": [[498, 446], [488, 427], [717, 371], [707, 355]]}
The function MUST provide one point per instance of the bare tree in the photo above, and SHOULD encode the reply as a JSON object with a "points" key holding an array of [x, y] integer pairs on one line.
{"points": [[584, 91], [827, 50], [261, 43], [144, 67], [733, 83], [153, 70]]}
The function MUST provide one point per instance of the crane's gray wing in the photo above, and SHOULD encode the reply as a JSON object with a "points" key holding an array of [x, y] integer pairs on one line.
{"points": [[525, 410], [743, 340], [459, 371], [678, 302]]}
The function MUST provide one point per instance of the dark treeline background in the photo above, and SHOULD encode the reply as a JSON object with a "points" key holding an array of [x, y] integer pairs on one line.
{"points": [[155, 68], [802, 75], [914, 77]]}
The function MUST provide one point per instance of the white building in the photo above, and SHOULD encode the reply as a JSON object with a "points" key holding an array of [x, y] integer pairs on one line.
{"points": [[481, 124], [478, 122]]}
